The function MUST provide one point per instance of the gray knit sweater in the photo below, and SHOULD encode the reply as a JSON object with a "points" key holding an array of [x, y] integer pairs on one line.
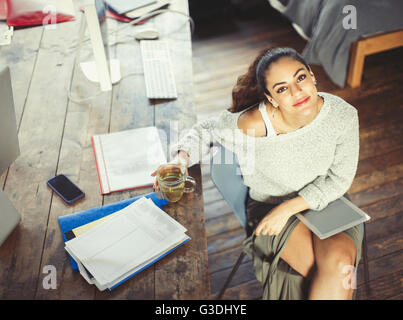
{"points": [[317, 162]]}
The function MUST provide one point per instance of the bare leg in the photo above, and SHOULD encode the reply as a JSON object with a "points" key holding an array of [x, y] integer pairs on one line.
{"points": [[334, 259], [298, 252]]}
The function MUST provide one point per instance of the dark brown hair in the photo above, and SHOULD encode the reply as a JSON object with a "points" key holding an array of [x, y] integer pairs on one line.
{"points": [[251, 87]]}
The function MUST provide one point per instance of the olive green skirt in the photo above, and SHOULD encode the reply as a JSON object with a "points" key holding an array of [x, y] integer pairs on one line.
{"points": [[279, 280]]}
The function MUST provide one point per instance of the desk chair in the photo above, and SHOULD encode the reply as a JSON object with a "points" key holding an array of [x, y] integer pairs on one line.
{"points": [[225, 174]]}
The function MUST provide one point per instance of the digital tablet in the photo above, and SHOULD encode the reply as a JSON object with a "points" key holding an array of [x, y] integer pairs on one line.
{"points": [[338, 216]]}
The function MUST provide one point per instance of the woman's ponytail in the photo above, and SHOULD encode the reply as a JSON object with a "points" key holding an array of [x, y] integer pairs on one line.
{"points": [[247, 92]]}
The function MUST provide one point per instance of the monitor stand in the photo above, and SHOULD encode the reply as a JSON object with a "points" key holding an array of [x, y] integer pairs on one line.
{"points": [[89, 69]]}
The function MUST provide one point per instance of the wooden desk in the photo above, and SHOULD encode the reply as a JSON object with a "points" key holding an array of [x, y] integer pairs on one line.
{"points": [[54, 135]]}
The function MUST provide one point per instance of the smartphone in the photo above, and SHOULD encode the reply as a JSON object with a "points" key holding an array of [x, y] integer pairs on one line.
{"points": [[65, 188]]}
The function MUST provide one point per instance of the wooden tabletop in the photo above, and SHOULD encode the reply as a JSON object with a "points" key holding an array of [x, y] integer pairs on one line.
{"points": [[55, 137]]}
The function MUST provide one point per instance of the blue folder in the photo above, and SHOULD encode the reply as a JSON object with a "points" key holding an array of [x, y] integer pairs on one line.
{"points": [[71, 221]]}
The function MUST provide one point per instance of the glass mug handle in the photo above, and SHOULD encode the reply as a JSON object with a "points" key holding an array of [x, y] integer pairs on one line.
{"points": [[192, 181]]}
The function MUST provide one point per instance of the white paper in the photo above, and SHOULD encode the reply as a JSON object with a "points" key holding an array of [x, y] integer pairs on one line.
{"points": [[131, 272], [126, 159], [126, 242]]}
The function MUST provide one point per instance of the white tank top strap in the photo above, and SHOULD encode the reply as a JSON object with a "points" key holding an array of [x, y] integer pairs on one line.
{"points": [[269, 127]]}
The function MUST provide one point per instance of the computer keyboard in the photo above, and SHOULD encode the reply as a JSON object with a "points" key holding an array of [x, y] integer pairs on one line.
{"points": [[158, 72]]}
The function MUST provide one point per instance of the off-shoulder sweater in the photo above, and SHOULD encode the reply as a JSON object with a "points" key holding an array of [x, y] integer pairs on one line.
{"points": [[317, 161]]}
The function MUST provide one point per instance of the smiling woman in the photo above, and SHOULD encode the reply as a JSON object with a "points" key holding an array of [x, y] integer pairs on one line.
{"points": [[297, 96], [283, 78], [297, 149]]}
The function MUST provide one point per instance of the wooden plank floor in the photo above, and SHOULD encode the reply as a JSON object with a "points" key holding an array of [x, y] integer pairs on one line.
{"points": [[222, 50]]}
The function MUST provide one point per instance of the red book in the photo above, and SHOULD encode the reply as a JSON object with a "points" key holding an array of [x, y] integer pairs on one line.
{"points": [[3, 10]]}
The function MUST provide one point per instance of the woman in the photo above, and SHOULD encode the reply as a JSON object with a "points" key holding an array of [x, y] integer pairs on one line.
{"points": [[304, 155]]}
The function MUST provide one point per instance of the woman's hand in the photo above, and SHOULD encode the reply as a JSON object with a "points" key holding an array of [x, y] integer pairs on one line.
{"points": [[181, 158], [155, 186], [274, 221]]}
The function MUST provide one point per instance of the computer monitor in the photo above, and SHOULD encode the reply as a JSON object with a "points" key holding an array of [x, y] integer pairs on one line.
{"points": [[104, 70], [9, 146], [9, 151], [9, 217]]}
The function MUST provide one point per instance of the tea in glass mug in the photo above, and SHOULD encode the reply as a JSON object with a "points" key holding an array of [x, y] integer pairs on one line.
{"points": [[171, 179]]}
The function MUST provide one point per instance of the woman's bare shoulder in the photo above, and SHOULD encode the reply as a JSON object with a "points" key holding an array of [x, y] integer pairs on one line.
{"points": [[251, 123]]}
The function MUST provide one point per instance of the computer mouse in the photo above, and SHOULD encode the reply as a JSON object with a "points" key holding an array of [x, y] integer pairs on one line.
{"points": [[149, 34]]}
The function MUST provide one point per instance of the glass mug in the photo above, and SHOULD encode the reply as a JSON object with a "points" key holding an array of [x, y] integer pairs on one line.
{"points": [[171, 180]]}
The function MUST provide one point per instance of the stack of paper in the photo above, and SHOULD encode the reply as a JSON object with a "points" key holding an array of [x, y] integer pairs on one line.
{"points": [[110, 251]]}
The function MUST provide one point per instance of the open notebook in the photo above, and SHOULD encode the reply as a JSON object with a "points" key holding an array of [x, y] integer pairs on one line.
{"points": [[114, 249], [338, 216], [126, 159]]}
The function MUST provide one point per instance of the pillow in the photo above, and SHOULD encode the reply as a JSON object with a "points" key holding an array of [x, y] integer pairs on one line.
{"points": [[38, 12]]}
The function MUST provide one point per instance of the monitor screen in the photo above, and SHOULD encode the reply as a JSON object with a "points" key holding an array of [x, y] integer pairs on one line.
{"points": [[9, 146]]}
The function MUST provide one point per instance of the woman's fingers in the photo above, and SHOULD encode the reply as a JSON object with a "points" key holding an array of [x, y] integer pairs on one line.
{"points": [[261, 228], [156, 186], [265, 229], [257, 230]]}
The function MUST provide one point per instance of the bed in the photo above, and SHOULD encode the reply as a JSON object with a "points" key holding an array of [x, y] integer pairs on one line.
{"points": [[341, 46]]}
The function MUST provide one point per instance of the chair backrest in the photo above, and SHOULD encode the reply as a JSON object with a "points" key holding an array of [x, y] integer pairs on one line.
{"points": [[226, 176]]}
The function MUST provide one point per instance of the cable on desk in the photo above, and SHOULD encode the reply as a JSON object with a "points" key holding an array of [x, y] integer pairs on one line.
{"points": [[143, 17], [82, 100], [83, 39], [153, 13]]}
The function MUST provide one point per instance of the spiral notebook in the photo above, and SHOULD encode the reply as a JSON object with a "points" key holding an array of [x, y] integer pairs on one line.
{"points": [[338, 216]]}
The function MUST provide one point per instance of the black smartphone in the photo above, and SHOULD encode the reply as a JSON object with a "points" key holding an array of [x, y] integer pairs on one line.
{"points": [[65, 188]]}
